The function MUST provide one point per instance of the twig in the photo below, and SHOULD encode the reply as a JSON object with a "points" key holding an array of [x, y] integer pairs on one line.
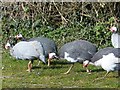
{"points": [[95, 10], [63, 19]]}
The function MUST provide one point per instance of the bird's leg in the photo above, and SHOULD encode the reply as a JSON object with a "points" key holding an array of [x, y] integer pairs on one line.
{"points": [[29, 66], [101, 77], [118, 73], [49, 61], [87, 70], [69, 69], [106, 74]]}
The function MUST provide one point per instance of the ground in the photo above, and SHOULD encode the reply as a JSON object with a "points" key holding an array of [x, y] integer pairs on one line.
{"points": [[14, 75]]}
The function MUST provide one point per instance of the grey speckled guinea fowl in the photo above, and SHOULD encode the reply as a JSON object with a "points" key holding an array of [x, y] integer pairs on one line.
{"points": [[24, 50], [48, 45], [77, 51], [78, 44]]}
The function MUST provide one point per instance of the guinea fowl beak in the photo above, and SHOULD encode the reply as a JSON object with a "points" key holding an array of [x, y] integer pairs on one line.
{"points": [[6, 47], [56, 57], [112, 30], [85, 65]]}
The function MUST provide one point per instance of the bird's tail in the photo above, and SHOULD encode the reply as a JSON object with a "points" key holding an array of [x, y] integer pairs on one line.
{"points": [[42, 57]]}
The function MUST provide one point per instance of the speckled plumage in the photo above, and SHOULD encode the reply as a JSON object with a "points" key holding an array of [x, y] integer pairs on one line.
{"points": [[48, 45], [28, 50], [98, 55], [79, 50], [108, 58]]}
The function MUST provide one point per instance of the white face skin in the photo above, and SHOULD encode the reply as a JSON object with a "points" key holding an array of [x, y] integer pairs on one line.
{"points": [[52, 55], [85, 63], [7, 46], [19, 36], [113, 29]]}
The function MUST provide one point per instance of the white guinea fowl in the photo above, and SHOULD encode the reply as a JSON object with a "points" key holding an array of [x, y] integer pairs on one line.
{"points": [[115, 38], [108, 58]]}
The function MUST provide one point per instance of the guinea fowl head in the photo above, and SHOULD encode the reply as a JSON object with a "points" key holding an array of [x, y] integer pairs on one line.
{"points": [[12, 40], [85, 63], [52, 56], [113, 29], [7, 46], [19, 36]]}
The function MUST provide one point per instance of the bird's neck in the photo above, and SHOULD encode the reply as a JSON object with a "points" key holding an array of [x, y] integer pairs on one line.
{"points": [[114, 32]]}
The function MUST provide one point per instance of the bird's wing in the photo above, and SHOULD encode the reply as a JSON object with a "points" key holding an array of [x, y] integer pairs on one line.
{"points": [[27, 50], [111, 57], [24, 51]]}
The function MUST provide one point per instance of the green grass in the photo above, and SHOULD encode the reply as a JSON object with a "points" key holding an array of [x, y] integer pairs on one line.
{"points": [[14, 75]]}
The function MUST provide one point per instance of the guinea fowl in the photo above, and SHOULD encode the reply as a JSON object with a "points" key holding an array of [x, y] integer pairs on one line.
{"points": [[108, 58], [50, 48], [27, 51], [77, 51], [115, 38]]}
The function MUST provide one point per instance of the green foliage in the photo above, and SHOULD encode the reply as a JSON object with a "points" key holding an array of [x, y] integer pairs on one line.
{"points": [[62, 22]]}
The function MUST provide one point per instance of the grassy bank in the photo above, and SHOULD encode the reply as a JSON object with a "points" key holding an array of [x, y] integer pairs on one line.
{"points": [[14, 75]]}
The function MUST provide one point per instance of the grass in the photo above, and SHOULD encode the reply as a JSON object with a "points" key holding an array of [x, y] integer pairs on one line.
{"points": [[14, 75]]}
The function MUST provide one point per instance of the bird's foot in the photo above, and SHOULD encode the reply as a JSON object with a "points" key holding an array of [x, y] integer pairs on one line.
{"points": [[98, 79], [89, 71], [28, 70], [66, 73]]}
